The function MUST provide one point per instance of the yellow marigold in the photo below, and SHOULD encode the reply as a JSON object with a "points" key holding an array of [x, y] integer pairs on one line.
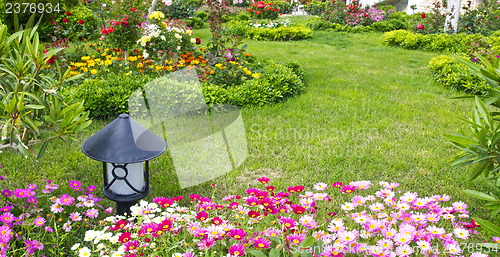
{"points": [[132, 58], [73, 73], [93, 71], [139, 65], [256, 75], [195, 62], [84, 58]]}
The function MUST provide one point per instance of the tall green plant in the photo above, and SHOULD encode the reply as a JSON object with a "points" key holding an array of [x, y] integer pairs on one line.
{"points": [[482, 148], [31, 111]]}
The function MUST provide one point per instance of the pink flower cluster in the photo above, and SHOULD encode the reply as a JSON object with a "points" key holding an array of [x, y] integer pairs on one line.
{"points": [[377, 221], [40, 217]]}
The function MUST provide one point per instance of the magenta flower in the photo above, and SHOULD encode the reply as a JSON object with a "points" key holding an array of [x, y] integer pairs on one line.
{"points": [[131, 245], [263, 180], [237, 234], [66, 199], [48, 229], [37, 244], [1, 177], [39, 221], [75, 216], [348, 189], [21, 193], [7, 217], [296, 238], [91, 188], [56, 208], [108, 210], [337, 184], [6, 208], [237, 250], [75, 184], [261, 242], [92, 213], [7, 193], [32, 187], [5, 233], [420, 26], [29, 246]]}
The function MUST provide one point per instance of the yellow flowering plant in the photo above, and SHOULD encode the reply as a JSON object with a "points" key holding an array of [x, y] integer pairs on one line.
{"points": [[165, 38]]}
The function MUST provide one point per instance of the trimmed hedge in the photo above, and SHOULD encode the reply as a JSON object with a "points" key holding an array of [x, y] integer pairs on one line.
{"points": [[446, 70], [108, 98], [279, 34], [276, 83], [317, 23], [455, 43]]}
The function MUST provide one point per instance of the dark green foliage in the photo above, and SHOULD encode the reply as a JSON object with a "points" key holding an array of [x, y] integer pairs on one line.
{"points": [[181, 9], [194, 22], [276, 83], [201, 14], [107, 98], [389, 25], [279, 34], [447, 71]]}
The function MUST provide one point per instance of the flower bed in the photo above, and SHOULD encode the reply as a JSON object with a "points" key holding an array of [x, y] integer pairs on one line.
{"points": [[370, 220], [280, 30]]}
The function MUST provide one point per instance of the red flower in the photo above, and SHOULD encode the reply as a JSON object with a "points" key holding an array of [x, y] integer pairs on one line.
{"points": [[281, 14], [104, 31], [420, 26], [133, 9], [274, 10], [80, 21], [257, 12], [249, 9], [109, 30], [198, 41], [496, 17], [68, 13], [64, 20], [422, 15]]}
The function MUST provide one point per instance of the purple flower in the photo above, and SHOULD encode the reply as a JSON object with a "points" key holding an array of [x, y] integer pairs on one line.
{"points": [[7, 192], [475, 60], [1, 177], [21, 193], [37, 245], [498, 56], [91, 188], [66, 199], [5, 233], [32, 186], [30, 247], [6, 208], [109, 210]]}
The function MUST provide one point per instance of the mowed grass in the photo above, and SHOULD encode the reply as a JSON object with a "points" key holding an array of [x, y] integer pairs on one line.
{"points": [[369, 112]]}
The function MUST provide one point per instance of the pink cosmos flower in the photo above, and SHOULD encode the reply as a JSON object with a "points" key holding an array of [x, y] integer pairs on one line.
{"points": [[48, 229], [261, 242], [75, 216], [39, 221], [237, 250], [296, 238], [348, 189], [21, 193], [56, 208], [5, 233], [7, 217], [67, 226], [66, 199], [92, 213], [262, 180]]}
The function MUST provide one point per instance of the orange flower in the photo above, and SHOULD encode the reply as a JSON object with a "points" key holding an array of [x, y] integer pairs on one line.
{"points": [[203, 61], [98, 49], [90, 45], [247, 55]]}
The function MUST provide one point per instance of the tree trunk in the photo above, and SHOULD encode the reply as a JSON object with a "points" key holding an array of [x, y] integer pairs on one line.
{"points": [[152, 7], [453, 13]]}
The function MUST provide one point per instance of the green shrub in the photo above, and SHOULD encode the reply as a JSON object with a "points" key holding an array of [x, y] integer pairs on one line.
{"points": [[279, 34], [284, 6], [202, 15], [243, 16], [238, 28], [296, 68], [395, 37], [447, 71], [360, 29], [194, 22], [389, 25], [276, 83], [317, 23], [107, 98]]}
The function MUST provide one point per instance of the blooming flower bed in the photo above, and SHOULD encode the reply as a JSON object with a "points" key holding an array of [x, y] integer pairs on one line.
{"points": [[43, 221], [377, 220]]}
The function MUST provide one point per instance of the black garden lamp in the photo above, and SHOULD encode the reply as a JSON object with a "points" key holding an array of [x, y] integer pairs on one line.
{"points": [[124, 147]]}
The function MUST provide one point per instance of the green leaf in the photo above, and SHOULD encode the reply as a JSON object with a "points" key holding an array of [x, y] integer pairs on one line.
{"points": [[478, 170], [42, 150], [462, 140], [257, 253], [274, 253], [479, 195], [488, 226], [484, 112], [308, 242]]}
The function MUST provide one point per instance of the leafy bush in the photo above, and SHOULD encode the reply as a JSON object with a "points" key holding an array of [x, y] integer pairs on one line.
{"points": [[194, 22], [447, 71], [282, 33], [107, 98], [276, 83], [483, 19], [201, 14], [180, 9], [243, 16], [389, 25], [454, 43], [315, 7], [285, 7]]}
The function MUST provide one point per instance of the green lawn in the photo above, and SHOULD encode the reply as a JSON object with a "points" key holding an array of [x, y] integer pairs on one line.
{"points": [[369, 112]]}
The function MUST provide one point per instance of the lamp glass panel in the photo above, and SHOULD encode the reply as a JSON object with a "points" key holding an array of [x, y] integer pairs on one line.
{"points": [[135, 177]]}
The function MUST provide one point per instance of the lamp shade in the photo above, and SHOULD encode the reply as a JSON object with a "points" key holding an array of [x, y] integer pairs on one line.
{"points": [[124, 140]]}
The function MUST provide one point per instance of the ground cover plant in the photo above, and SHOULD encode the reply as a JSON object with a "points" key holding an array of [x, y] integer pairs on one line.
{"points": [[369, 112]]}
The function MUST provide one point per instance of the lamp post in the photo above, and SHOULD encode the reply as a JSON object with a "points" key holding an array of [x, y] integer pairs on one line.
{"points": [[124, 147]]}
